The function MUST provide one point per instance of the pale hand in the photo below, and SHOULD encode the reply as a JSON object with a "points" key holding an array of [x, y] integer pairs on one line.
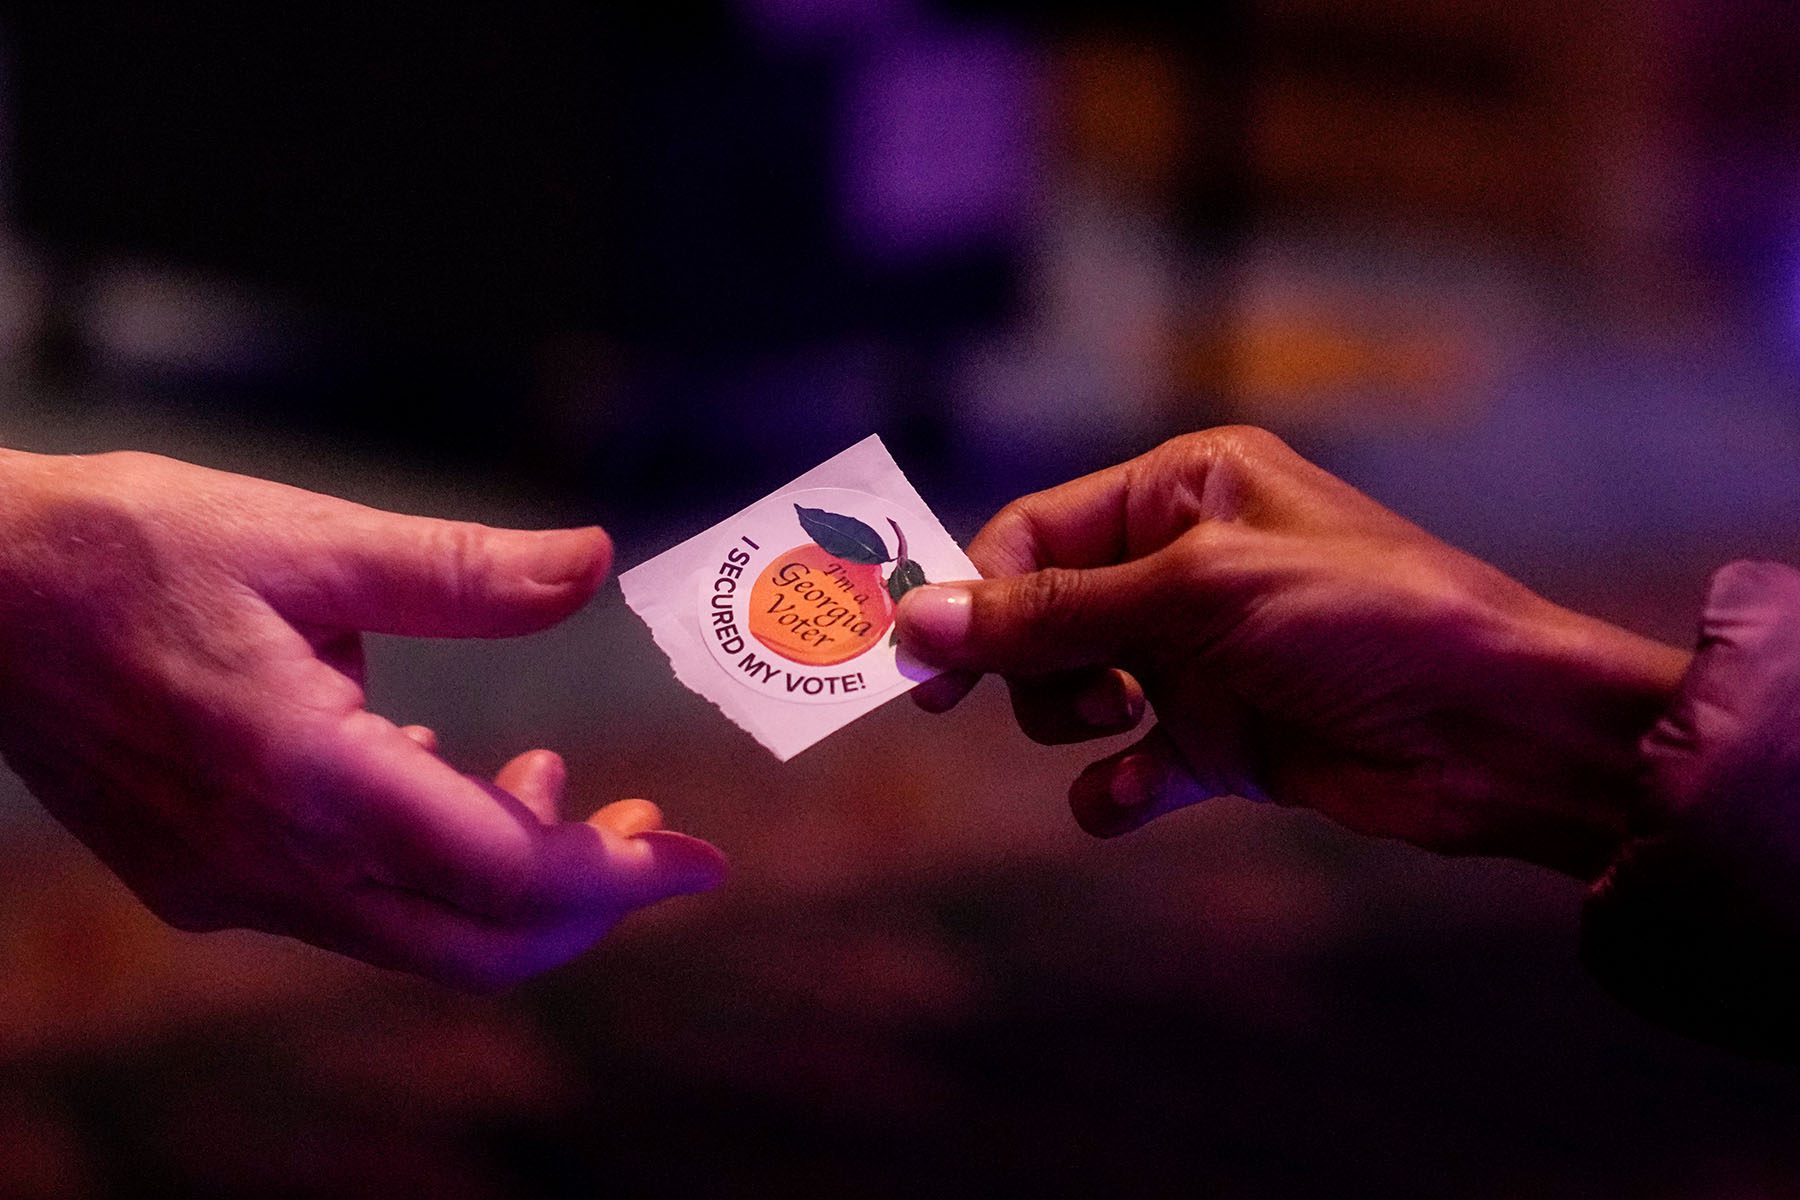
{"points": [[181, 685]]}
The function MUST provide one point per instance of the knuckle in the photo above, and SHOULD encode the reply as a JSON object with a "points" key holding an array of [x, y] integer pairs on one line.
{"points": [[1014, 518], [1007, 544], [1246, 444], [1207, 551], [1249, 439], [1046, 595], [460, 550]]}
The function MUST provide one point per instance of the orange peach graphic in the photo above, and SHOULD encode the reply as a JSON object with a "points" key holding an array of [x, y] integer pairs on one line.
{"points": [[811, 607]]}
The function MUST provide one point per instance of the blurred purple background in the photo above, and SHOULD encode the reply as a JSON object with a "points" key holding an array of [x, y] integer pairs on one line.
{"points": [[1528, 272]]}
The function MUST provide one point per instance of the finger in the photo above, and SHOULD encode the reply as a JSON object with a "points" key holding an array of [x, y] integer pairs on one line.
{"points": [[359, 568], [627, 818], [422, 735], [1047, 621], [480, 848], [673, 864], [1139, 507], [1082, 523], [1129, 789], [406, 931], [1077, 706], [647, 866], [941, 693], [537, 778], [430, 829]]}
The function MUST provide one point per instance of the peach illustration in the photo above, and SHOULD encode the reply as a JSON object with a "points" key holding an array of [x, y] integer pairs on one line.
{"points": [[809, 606]]}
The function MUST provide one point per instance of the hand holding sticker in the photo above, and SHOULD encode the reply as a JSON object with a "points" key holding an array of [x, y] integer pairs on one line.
{"points": [[793, 599]]}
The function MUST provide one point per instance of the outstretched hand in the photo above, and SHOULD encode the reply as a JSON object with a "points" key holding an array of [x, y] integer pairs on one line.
{"points": [[181, 684], [1299, 643]]}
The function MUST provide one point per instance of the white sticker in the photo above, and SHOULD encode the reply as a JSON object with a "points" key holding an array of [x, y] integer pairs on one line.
{"points": [[783, 615]]}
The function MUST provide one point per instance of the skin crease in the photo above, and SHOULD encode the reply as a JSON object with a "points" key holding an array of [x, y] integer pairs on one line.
{"points": [[181, 685], [1298, 643]]}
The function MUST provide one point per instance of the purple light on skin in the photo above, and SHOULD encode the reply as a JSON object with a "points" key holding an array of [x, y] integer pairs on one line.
{"points": [[940, 141], [796, 24]]}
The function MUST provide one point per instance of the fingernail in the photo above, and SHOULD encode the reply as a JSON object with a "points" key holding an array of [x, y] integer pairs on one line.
{"points": [[935, 617], [565, 556], [1109, 704], [1134, 782]]}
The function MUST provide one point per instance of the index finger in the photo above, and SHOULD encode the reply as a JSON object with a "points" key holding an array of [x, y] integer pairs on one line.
{"points": [[1081, 523], [1140, 506]]}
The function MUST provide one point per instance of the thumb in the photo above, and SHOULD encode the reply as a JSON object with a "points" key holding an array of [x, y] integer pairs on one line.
{"points": [[1035, 624], [420, 577]]}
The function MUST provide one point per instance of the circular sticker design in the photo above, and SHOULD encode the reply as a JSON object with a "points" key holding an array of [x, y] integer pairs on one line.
{"points": [[800, 602], [812, 607]]}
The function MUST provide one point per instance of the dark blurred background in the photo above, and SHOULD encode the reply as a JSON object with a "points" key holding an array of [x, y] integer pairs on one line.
{"points": [[1528, 272]]}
